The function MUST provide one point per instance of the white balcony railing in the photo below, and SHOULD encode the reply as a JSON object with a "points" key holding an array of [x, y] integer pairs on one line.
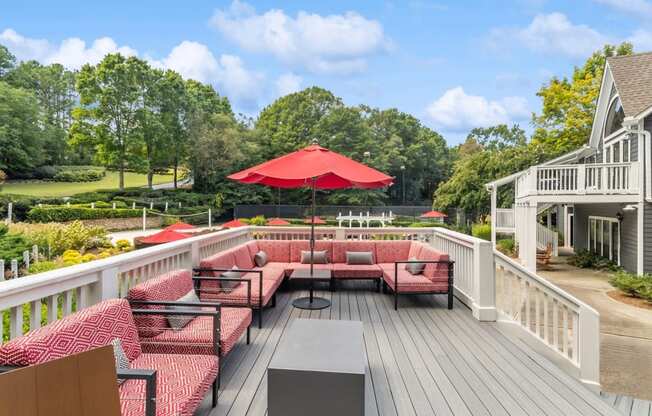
{"points": [[564, 324], [604, 178], [30, 301], [547, 237], [505, 219]]}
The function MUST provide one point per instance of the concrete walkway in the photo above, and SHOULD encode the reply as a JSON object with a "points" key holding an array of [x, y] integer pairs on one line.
{"points": [[626, 331]]}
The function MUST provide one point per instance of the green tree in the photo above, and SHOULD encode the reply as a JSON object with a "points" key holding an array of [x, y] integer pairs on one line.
{"points": [[111, 97], [7, 61], [569, 104], [54, 87], [20, 134], [488, 154], [290, 122]]}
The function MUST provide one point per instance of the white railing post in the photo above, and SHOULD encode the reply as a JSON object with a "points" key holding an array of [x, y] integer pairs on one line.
{"points": [[195, 256], [26, 259], [533, 181], [210, 218], [581, 179], [2, 270], [10, 209], [14, 268], [484, 276], [589, 346], [340, 234], [144, 219]]}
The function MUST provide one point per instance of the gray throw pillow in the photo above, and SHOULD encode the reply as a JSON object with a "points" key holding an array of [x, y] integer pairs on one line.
{"points": [[227, 286], [121, 360], [319, 257], [359, 257], [177, 322], [260, 259], [415, 268]]}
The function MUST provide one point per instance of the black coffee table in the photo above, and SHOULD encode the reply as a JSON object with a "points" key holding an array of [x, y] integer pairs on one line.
{"points": [[311, 302]]}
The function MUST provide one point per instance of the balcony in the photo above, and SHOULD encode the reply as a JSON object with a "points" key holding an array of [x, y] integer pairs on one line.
{"points": [[513, 344], [584, 179]]}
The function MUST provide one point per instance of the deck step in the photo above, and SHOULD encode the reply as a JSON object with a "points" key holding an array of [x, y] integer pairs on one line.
{"points": [[628, 406]]}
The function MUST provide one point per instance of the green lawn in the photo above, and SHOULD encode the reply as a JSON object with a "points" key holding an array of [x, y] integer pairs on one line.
{"points": [[110, 181]]}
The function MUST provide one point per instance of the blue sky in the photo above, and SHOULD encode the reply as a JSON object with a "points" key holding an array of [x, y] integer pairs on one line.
{"points": [[453, 64]]}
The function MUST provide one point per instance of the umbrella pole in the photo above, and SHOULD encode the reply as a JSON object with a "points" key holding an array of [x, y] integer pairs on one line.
{"points": [[312, 234]]}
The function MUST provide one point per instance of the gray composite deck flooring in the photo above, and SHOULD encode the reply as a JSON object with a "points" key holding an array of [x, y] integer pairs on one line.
{"points": [[423, 360], [628, 406]]}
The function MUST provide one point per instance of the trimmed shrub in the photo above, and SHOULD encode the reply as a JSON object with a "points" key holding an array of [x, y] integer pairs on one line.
{"points": [[45, 172], [633, 285], [123, 244], [482, 231], [79, 174], [588, 260], [64, 214], [43, 266], [258, 220], [507, 246], [12, 247]]}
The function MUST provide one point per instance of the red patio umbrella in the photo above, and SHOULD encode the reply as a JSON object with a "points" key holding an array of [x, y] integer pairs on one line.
{"points": [[433, 214], [318, 168], [316, 219], [178, 226], [164, 236], [277, 222], [233, 224]]}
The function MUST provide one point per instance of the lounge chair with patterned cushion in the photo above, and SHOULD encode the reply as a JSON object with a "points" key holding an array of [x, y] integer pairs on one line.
{"points": [[154, 384]]}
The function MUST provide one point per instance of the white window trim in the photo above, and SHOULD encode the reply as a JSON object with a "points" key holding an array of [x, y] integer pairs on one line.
{"points": [[606, 116], [593, 229]]}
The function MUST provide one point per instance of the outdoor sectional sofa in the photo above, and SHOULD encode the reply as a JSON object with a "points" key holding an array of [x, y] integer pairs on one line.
{"points": [[155, 384], [389, 259]]}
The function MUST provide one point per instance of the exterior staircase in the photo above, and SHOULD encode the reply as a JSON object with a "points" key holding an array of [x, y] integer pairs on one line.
{"points": [[628, 406]]}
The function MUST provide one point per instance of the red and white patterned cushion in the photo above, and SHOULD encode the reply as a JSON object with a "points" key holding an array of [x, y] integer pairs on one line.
{"points": [[168, 286], [92, 327], [222, 260], [272, 271], [356, 271], [277, 250], [415, 249], [413, 283], [242, 258], [197, 336], [182, 381], [252, 246], [437, 272], [238, 296], [297, 246], [341, 247], [391, 251]]}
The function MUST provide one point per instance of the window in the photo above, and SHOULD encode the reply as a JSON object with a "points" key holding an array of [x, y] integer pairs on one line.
{"points": [[616, 153], [604, 237], [615, 117]]}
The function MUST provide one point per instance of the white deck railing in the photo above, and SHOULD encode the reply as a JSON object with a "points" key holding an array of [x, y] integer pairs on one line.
{"points": [[603, 178], [505, 219], [565, 325], [547, 237], [561, 322]]}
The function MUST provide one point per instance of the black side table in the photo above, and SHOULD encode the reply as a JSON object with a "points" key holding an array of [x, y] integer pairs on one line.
{"points": [[311, 302]]}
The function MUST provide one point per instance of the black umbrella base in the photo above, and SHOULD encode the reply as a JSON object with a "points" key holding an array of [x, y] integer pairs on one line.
{"points": [[316, 304]]}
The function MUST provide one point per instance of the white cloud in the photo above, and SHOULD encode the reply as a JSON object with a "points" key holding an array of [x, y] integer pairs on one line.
{"points": [[456, 110], [635, 7], [322, 44], [194, 60], [552, 33], [191, 59], [288, 83], [641, 39], [71, 52]]}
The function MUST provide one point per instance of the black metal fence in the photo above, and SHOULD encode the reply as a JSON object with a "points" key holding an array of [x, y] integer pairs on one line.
{"points": [[301, 211]]}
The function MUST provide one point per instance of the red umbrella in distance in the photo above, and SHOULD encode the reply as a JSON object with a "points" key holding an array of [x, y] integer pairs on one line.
{"points": [[164, 236], [433, 214], [233, 224], [318, 168], [317, 220], [278, 222], [180, 226]]}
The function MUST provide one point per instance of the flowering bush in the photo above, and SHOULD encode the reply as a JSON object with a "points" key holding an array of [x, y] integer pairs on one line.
{"points": [[57, 238]]}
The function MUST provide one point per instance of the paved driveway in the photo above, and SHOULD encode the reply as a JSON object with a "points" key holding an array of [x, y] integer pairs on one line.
{"points": [[626, 331]]}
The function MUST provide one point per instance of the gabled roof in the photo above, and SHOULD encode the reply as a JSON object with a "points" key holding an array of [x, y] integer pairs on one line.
{"points": [[633, 78]]}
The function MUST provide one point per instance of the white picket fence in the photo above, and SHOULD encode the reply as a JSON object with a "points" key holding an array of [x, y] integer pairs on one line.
{"points": [[485, 281]]}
